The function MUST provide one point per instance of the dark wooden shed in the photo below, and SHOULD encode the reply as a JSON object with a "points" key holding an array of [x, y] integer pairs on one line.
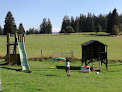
{"points": [[92, 50]]}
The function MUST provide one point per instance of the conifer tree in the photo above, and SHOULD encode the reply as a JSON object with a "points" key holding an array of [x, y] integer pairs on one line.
{"points": [[115, 30], [82, 21], [90, 23], [76, 26], [72, 22], [10, 26], [109, 24], [21, 29], [115, 18], [49, 27], [1, 31], [66, 22], [43, 27]]}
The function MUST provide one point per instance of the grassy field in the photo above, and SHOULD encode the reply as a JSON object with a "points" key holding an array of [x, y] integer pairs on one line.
{"points": [[44, 78], [65, 43]]}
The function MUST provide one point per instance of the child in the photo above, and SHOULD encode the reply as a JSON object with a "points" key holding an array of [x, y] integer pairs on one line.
{"points": [[67, 65]]}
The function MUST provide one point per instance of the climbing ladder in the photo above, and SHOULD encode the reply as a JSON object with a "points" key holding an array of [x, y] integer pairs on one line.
{"points": [[12, 57], [97, 65]]}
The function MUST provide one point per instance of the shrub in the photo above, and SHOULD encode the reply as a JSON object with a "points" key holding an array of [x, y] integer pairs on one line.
{"points": [[69, 29]]}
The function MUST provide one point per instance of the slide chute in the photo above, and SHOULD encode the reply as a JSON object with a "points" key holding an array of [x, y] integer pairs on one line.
{"points": [[60, 58]]}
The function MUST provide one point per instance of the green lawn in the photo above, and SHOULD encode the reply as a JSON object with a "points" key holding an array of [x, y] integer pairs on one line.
{"points": [[44, 78], [65, 43]]}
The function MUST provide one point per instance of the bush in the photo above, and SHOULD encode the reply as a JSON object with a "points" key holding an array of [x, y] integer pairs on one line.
{"points": [[69, 29]]}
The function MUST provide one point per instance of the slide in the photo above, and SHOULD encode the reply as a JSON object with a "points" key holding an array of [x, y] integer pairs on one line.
{"points": [[23, 57]]}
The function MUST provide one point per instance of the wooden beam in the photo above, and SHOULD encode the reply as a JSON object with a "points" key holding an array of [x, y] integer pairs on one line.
{"points": [[8, 47], [15, 48]]}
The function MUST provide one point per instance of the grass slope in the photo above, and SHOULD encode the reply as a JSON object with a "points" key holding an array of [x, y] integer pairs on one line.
{"points": [[43, 78], [65, 43]]}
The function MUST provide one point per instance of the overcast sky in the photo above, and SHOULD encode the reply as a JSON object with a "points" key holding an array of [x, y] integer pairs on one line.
{"points": [[31, 12]]}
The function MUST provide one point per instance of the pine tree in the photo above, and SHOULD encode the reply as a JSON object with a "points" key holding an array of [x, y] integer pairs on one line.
{"points": [[36, 31], [21, 29], [72, 22], [10, 26], [109, 24], [76, 26], [120, 17], [31, 31], [82, 21], [90, 23], [66, 22], [105, 24], [92, 26], [115, 30], [43, 27], [115, 18], [49, 27], [1, 31]]}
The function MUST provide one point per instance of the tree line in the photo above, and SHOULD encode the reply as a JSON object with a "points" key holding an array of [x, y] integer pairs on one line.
{"points": [[109, 23], [10, 27], [45, 28]]}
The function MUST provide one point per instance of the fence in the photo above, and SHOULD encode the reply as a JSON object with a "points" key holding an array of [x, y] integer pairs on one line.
{"points": [[62, 54]]}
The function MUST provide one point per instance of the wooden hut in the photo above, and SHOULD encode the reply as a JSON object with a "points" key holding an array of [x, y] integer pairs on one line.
{"points": [[92, 50]]}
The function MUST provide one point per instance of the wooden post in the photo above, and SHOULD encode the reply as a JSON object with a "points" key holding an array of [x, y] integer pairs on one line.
{"points": [[8, 49], [23, 37], [18, 38], [15, 48], [62, 54], [106, 59], [41, 53], [72, 54]]}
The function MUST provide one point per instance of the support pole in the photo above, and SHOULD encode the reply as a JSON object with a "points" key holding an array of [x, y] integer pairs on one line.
{"points": [[15, 48], [41, 53], [8, 49], [106, 59], [72, 55], [23, 36]]}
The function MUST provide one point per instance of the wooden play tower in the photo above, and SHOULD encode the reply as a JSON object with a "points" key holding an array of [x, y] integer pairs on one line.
{"points": [[95, 52], [12, 56]]}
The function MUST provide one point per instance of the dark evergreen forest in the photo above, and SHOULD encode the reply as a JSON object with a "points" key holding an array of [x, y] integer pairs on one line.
{"points": [[91, 23]]}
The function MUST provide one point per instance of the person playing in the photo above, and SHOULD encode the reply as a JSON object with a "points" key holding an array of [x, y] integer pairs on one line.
{"points": [[67, 65]]}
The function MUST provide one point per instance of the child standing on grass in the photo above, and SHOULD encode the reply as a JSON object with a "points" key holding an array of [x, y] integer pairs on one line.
{"points": [[67, 65]]}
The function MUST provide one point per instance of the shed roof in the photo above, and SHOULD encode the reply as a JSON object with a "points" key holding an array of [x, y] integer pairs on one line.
{"points": [[90, 42]]}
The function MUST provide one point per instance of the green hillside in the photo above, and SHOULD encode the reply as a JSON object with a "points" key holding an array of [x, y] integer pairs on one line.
{"points": [[65, 43]]}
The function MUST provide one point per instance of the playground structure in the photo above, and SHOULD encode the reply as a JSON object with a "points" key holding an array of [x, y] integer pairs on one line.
{"points": [[95, 52], [12, 56]]}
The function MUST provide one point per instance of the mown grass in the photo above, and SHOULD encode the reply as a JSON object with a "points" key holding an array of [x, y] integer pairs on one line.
{"points": [[45, 78], [66, 43]]}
